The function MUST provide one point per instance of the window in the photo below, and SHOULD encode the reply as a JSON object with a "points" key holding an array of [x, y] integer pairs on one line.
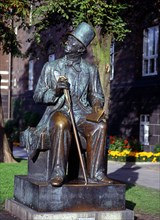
{"points": [[144, 129], [112, 60], [150, 50], [31, 75], [4, 82]]}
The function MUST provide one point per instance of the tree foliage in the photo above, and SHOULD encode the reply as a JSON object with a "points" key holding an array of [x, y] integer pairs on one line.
{"points": [[101, 13], [17, 10]]}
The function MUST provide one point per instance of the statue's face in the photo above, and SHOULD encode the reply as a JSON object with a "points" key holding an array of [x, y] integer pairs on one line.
{"points": [[72, 45]]}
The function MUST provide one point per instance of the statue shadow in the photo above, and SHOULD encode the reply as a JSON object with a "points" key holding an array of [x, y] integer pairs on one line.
{"points": [[127, 174]]}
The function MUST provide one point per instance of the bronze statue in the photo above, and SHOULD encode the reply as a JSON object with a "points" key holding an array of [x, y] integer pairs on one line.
{"points": [[55, 130]]}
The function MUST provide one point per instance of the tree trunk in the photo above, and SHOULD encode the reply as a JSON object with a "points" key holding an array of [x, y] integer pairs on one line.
{"points": [[101, 51], [5, 152]]}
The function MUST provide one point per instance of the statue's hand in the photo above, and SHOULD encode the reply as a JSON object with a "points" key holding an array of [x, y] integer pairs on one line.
{"points": [[97, 115], [99, 112], [97, 109], [61, 85]]}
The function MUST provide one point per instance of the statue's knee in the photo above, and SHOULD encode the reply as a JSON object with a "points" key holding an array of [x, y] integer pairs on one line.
{"points": [[102, 126], [59, 120]]}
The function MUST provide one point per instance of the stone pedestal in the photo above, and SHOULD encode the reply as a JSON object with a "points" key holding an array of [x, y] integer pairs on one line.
{"points": [[43, 197], [24, 213]]}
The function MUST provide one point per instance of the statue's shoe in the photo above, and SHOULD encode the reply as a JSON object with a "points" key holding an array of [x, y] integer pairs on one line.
{"points": [[104, 179], [57, 181]]}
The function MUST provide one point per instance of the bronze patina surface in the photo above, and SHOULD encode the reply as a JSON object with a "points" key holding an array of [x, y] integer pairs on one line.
{"points": [[56, 130]]}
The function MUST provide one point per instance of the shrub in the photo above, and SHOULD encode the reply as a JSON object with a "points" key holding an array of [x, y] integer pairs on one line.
{"points": [[15, 126], [157, 148], [120, 144], [123, 150], [12, 130]]}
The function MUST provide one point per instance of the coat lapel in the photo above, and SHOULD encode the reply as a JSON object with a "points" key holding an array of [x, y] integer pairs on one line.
{"points": [[82, 76], [83, 80]]}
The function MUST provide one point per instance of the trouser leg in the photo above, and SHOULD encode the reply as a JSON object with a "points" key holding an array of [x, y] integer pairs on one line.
{"points": [[60, 143], [95, 134]]}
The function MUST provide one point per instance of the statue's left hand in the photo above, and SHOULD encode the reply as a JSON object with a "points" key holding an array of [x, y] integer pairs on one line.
{"points": [[97, 115], [97, 109]]}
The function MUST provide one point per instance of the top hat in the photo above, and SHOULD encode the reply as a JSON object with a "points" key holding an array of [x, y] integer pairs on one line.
{"points": [[84, 33]]}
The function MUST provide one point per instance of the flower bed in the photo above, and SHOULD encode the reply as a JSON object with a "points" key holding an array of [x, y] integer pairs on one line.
{"points": [[121, 149], [126, 155]]}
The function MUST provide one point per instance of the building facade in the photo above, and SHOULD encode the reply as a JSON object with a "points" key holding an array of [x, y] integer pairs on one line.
{"points": [[135, 75], [135, 102]]}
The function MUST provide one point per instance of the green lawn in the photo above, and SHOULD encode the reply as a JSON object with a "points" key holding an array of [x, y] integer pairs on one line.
{"points": [[143, 200], [7, 173], [140, 199]]}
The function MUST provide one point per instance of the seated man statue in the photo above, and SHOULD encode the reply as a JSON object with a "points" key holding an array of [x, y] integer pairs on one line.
{"points": [[55, 129]]}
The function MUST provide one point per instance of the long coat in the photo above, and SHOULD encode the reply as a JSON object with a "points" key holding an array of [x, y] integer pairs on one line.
{"points": [[85, 91]]}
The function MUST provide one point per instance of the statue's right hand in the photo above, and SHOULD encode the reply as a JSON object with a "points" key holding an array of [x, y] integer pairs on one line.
{"points": [[61, 85]]}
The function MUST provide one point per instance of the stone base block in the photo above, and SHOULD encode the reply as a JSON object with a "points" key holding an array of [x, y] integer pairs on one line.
{"points": [[40, 169], [25, 213], [43, 197]]}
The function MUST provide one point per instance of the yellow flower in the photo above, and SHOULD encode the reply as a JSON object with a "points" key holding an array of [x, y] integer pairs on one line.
{"points": [[126, 152], [141, 155], [132, 154], [154, 160], [157, 154], [150, 154], [113, 153], [137, 154]]}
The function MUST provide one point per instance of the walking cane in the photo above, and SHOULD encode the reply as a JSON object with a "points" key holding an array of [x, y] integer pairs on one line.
{"points": [[68, 99]]}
